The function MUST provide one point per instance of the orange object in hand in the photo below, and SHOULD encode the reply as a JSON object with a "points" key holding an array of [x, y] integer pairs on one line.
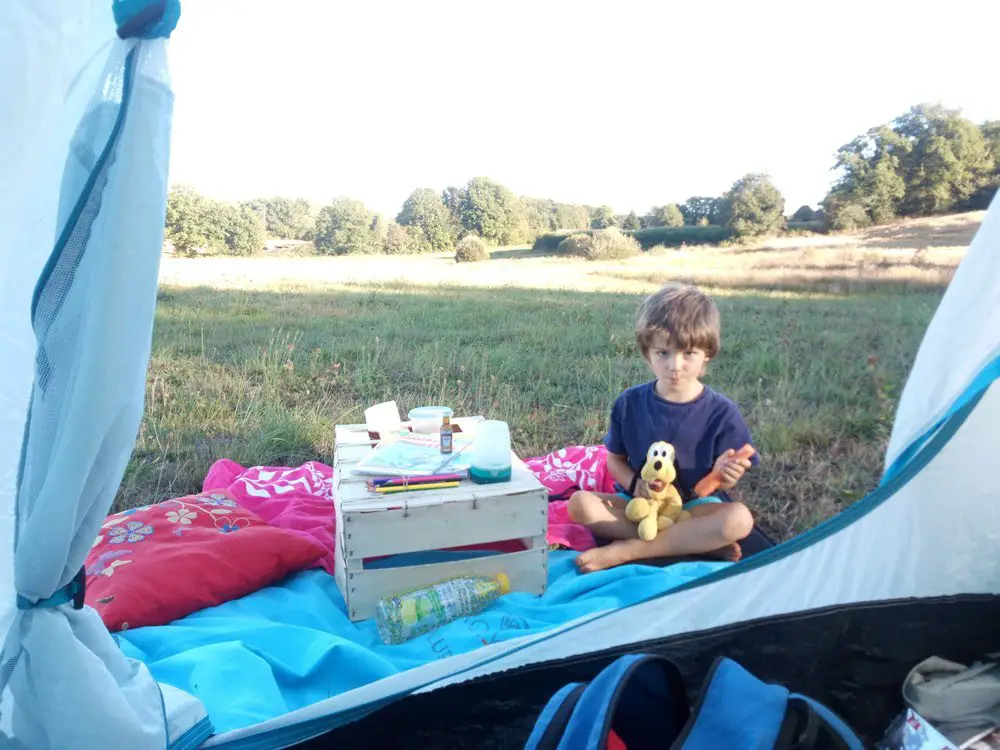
{"points": [[711, 482]]}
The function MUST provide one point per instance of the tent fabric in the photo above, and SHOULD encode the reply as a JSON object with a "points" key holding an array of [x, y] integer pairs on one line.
{"points": [[959, 356], [78, 294], [848, 560]]}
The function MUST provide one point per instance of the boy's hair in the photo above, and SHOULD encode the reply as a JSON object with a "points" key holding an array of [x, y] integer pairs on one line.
{"points": [[684, 314]]}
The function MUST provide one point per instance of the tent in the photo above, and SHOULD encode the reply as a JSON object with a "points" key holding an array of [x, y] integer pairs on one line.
{"points": [[841, 612]]}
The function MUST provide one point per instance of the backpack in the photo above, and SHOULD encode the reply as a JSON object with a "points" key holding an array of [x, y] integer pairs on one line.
{"points": [[639, 703]]}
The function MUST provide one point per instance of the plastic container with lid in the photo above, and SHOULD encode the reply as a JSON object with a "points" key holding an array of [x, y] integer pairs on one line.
{"points": [[427, 419]]}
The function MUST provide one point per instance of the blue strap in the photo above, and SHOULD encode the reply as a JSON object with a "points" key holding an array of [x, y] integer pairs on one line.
{"points": [[72, 593], [735, 710], [146, 19]]}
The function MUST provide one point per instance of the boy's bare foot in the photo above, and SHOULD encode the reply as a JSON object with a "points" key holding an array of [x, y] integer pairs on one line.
{"points": [[600, 558], [730, 553]]}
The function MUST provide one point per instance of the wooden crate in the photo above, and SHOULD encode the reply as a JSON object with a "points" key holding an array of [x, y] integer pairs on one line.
{"points": [[371, 525]]}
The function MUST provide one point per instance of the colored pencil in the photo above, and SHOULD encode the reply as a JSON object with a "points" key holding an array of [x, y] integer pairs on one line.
{"points": [[415, 487], [426, 479]]}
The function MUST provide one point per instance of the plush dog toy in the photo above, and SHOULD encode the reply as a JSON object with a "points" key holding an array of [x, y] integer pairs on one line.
{"points": [[664, 505]]}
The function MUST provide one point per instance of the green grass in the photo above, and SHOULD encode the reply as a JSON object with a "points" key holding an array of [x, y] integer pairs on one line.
{"points": [[263, 377]]}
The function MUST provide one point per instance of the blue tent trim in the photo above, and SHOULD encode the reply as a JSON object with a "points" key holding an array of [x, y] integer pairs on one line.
{"points": [[288, 736]]}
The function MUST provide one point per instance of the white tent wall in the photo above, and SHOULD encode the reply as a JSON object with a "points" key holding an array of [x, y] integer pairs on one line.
{"points": [[41, 49], [85, 138], [960, 351], [925, 540]]}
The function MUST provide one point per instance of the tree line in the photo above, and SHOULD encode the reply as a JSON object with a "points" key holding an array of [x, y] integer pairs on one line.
{"points": [[930, 160]]}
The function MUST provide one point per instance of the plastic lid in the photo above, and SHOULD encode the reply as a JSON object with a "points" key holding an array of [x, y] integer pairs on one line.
{"points": [[429, 412], [504, 583]]}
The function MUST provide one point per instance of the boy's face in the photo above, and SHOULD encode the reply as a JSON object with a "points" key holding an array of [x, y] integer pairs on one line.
{"points": [[676, 368]]}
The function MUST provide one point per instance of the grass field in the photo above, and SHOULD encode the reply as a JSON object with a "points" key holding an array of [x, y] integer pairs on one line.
{"points": [[257, 359]]}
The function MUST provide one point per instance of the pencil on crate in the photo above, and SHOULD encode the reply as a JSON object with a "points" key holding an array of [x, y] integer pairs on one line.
{"points": [[401, 481], [415, 487]]}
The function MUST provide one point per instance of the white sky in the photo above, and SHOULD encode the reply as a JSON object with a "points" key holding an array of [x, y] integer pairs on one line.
{"points": [[632, 104]]}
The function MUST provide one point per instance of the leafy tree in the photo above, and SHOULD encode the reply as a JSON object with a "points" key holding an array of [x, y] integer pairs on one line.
{"points": [[431, 228], [753, 206], [538, 216], [244, 231], [991, 137], [947, 162], [571, 216], [603, 217], [346, 226], [188, 224], [195, 221], [490, 210], [284, 218], [870, 178], [700, 211], [400, 241], [631, 222], [666, 216]]}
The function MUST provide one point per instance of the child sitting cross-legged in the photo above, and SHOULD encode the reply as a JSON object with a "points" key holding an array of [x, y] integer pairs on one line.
{"points": [[678, 333]]}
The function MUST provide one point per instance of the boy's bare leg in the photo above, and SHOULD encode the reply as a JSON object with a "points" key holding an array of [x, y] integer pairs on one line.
{"points": [[603, 514], [715, 527]]}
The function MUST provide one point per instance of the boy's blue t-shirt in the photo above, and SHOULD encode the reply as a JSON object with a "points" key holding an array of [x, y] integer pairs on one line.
{"points": [[700, 431]]}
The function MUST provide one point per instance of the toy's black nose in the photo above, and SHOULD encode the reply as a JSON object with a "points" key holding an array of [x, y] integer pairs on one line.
{"points": [[657, 465]]}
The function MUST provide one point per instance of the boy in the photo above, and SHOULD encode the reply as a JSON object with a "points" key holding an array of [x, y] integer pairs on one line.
{"points": [[678, 333]]}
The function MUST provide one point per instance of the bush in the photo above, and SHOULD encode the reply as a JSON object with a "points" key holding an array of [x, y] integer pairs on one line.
{"points": [[611, 244], [647, 238], [471, 249], [677, 236], [576, 244], [845, 217], [753, 207], [805, 226], [550, 241]]}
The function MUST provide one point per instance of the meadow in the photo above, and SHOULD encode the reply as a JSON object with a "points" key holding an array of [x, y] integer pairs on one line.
{"points": [[257, 359]]}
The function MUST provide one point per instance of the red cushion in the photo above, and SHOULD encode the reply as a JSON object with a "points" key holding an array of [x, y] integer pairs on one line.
{"points": [[153, 565]]}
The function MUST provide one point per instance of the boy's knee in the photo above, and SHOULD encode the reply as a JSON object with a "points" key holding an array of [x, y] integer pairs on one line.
{"points": [[577, 506], [737, 522]]}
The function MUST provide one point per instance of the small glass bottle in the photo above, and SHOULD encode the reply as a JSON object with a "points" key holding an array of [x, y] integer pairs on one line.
{"points": [[447, 433]]}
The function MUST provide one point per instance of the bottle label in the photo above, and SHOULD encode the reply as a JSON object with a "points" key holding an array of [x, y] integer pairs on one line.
{"points": [[403, 617]]}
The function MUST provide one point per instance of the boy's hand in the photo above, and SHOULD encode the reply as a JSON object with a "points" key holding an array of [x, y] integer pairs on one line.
{"points": [[732, 468], [641, 489]]}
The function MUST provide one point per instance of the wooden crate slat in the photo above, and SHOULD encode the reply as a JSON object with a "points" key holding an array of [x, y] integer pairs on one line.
{"points": [[526, 570], [432, 527]]}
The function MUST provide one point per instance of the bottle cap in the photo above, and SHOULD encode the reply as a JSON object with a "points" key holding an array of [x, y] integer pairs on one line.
{"points": [[504, 583]]}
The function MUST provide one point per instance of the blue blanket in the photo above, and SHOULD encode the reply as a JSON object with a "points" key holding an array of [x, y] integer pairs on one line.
{"points": [[287, 646]]}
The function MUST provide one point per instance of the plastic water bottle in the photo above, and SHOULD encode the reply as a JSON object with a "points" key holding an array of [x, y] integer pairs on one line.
{"points": [[411, 613]]}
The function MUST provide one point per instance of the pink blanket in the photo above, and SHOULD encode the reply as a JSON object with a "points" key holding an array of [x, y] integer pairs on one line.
{"points": [[301, 498]]}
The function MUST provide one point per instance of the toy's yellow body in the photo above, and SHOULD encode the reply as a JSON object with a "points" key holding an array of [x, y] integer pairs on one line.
{"points": [[664, 506]]}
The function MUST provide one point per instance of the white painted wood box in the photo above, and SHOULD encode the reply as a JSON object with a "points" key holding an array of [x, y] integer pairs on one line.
{"points": [[370, 525]]}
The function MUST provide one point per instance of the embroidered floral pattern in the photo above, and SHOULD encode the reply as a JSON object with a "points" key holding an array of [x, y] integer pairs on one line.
{"points": [[181, 516], [131, 532], [218, 499]]}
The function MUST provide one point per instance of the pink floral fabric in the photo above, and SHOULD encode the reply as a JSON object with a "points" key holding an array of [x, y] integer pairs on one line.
{"points": [[301, 498]]}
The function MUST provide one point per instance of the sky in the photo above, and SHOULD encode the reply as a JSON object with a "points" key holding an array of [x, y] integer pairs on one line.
{"points": [[629, 104]]}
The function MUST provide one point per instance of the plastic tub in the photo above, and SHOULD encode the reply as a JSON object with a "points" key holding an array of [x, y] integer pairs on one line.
{"points": [[428, 419]]}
